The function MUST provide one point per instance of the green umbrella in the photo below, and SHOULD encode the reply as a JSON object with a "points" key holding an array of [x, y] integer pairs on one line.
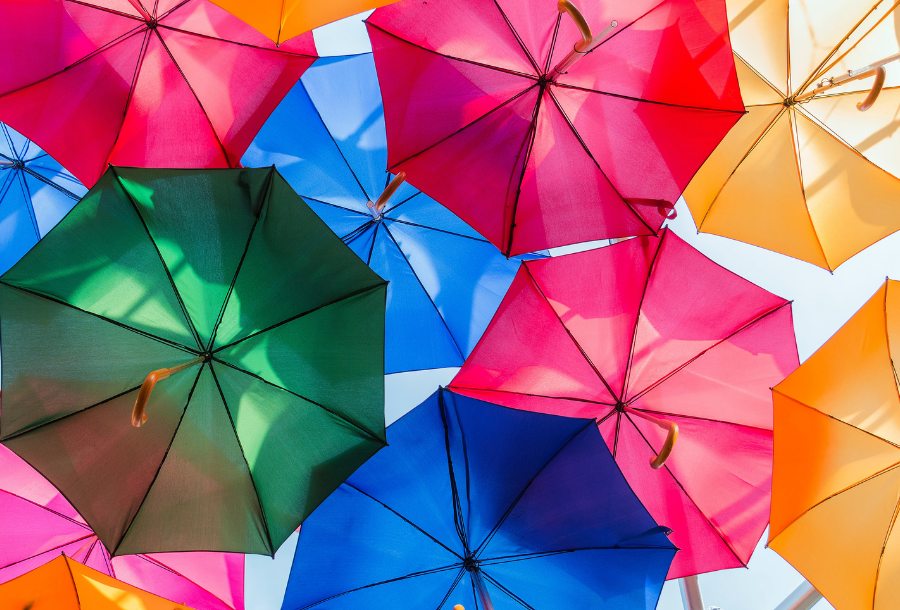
{"points": [[272, 332]]}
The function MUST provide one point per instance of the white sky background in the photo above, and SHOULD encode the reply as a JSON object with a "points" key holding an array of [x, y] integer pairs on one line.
{"points": [[822, 303]]}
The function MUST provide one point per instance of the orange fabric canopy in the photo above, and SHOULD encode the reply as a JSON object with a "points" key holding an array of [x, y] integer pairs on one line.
{"points": [[836, 481], [65, 584]]}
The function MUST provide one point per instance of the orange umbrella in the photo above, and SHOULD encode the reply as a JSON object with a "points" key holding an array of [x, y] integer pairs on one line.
{"points": [[50, 587], [836, 479], [284, 19]]}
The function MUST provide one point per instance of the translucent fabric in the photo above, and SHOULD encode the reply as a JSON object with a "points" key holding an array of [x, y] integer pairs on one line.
{"points": [[114, 81], [531, 505], [328, 139], [479, 118], [649, 327], [837, 451], [39, 524], [280, 323], [816, 180], [35, 193]]}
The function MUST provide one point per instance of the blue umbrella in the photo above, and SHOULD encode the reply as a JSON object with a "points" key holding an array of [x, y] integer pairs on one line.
{"points": [[327, 138], [484, 506], [35, 193]]}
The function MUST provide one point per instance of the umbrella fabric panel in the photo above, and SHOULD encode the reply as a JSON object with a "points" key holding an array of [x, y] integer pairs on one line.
{"points": [[53, 585], [46, 532]]}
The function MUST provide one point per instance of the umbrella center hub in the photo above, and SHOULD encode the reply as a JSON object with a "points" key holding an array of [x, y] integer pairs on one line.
{"points": [[18, 164], [544, 80], [620, 406], [470, 564], [151, 23]]}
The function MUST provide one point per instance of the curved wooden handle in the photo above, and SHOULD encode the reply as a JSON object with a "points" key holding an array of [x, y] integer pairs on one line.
{"points": [[459, 607], [672, 436], [880, 74], [564, 6], [138, 417], [387, 194]]}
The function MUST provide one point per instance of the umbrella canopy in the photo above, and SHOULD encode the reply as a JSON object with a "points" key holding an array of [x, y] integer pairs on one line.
{"points": [[169, 84], [63, 584], [811, 177], [487, 113], [327, 138], [270, 328], [482, 506], [39, 524], [837, 450], [35, 192], [281, 20], [656, 342]]}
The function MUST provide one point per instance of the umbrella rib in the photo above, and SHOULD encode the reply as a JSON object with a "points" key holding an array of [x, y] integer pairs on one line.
{"points": [[592, 158], [703, 419], [361, 229], [194, 93], [394, 207], [372, 245], [517, 37], [111, 321], [134, 79], [161, 462], [458, 519], [9, 142], [456, 581], [300, 315], [334, 205], [746, 325], [552, 42], [56, 548], [528, 146], [646, 101], [169, 569], [46, 508], [414, 224], [234, 42], [761, 77], [795, 137], [244, 455], [72, 580], [453, 386], [887, 337], [104, 9], [168, 12], [540, 554], [26, 192], [569, 332], [48, 182], [422, 286], [343, 418], [512, 595], [165, 267], [616, 433], [712, 526], [515, 502], [883, 548]]}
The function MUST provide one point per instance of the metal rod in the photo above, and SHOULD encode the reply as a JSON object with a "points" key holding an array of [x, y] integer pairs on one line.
{"points": [[378, 206], [851, 75], [803, 597], [481, 590], [691, 596]]}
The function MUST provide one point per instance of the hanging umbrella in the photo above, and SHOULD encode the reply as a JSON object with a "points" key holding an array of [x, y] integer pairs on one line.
{"points": [[657, 343], [482, 506], [63, 584], [263, 332], [159, 84], [836, 483], [446, 281], [281, 20], [490, 110], [39, 524], [805, 173], [35, 192]]}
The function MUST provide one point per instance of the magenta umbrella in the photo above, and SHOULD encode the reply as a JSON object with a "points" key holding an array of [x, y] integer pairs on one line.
{"points": [[39, 524]]}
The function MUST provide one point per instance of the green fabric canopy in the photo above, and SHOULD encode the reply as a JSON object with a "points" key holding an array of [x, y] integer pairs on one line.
{"points": [[152, 269]]}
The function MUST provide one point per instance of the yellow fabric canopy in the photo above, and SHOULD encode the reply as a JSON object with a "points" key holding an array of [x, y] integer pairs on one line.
{"points": [[815, 180], [836, 480], [64, 584], [281, 20]]}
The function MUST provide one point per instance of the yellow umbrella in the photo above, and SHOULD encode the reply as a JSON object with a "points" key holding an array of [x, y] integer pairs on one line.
{"points": [[836, 481], [281, 20], [805, 172]]}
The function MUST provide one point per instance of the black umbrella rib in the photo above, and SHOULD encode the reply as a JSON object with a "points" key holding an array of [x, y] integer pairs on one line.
{"points": [[511, 595], [9, 142], [162, 261], [655, 102], [444, 231], [456, 581], [48, 182], [430, 300], [339, 207], [416, 527], [458, 518], [515, 502], [701, 419], [343, 418], [454, 386], [518, 38], [372, 245], [552, 43], [105, 319], [528, 145], [539, 555], [262, 511], [26, 192], [56, 548], [161, 462], [267, 195], [277, 51], [104, 9], [394, 207], [49, 510], [134, 78]]}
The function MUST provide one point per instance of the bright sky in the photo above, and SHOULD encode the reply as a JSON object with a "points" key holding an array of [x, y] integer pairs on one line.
{"points": [[822, 303]]}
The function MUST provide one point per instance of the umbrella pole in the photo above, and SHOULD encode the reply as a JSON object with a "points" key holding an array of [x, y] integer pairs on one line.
{"points": [[803, 597], [691, 597], [481, 590], [588, 41], [377, 207], [672, 436], [138, 417], [874, 69]]}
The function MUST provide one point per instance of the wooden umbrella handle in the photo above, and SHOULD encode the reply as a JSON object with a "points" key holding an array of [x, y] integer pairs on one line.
{"points": [[138, 416], [672, 436], [387, 194], [880, 74]]}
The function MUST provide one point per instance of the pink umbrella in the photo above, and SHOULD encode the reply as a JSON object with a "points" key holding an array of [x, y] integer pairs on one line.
{"points": [[166, 83], [491, 111], [39, 524]]}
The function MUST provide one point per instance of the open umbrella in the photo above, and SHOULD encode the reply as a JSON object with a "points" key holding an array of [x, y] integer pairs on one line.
{"points": [[281, 20], [836, 483], [159, 84], [805, 173], [262, 331], [482, 506], [35, 192], [491, 111], [656, 342], [327, 138], [63, 584], [38, 524]]}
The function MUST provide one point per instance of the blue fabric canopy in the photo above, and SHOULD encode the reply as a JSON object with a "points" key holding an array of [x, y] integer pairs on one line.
{"points": [[35, 193], [327, 138], [484, 506]]}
